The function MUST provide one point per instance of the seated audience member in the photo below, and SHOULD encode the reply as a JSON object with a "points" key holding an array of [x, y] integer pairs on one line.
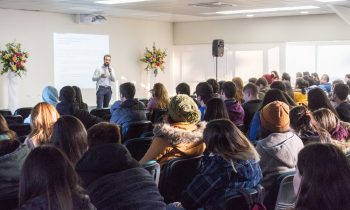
{"points": [[324, 83], [340, 95], [69, 106], [231, 165], [5, 132], [234, 108], [129, 109], [322, 178], [239, 89], [49, 95], [262, 85], [275, 76], [302, 126], [216, 109], [317, 98], [299, 75], [285, 77], [278, 85], [300, 95], [220, 85], [48, 181], [160, 98], [315, 78], [183, 88], [326, 119], [269, 78], [70, 136], [79, 99], [204, 92], [44, 116], [289, 89], [251, 104], [180, 135], [215, 85], [279, 147], [113, 178], [252, 80]]}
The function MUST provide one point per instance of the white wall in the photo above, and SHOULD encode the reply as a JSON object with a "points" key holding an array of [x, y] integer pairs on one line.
{"points": [[128, 38], [263, 30]]}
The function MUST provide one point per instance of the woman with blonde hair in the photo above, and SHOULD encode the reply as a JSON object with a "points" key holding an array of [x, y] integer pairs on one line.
{"points": [[44, 117], [160, 98], [239, 91]]}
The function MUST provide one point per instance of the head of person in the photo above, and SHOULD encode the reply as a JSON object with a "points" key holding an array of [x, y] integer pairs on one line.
{"points": [[298, 75], [273, 95], [252, 80], [67, 95], [324, 78], [326, 119], [285, 77], [261, 83], [5, 130], [310, 80], [214, 84], [70, 136], [48, 172], [216, 109], [340, 93], [274, 118], [127, 91], [315, 77], [107, 60], [183, 88], [44, 116], [223, 138], [306, 73], [347, 78], [348, 83], [220, 85], [275, 75], [161, 94], [289, 89], [318, 164], [302, 85], [182, 108], [336, 82], [268, 77], [238, 82], [317, 99], [228, 90], [278, 85], [250, 92], [50, 95], [78, 95], [103, 133], [204, 92]]}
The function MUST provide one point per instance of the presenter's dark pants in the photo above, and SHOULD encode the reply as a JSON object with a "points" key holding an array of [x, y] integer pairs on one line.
{"points": [[104, 95]]}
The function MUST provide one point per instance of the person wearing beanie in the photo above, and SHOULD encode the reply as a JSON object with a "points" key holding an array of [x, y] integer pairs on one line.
{"points": [[279, 147], [180, 135]]}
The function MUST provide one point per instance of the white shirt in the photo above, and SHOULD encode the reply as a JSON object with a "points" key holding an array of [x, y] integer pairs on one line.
{"points": [[103, 81]]}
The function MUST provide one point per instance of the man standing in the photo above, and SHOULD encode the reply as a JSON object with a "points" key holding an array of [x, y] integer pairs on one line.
{"points": [[103, 76]]}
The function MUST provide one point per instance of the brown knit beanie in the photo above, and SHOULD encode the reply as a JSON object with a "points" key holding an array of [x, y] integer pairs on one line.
{"points": [[275, 117], [182, 108]]}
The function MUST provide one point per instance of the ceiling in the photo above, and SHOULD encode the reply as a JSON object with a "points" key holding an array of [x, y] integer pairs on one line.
{"points": [[169, 10]]}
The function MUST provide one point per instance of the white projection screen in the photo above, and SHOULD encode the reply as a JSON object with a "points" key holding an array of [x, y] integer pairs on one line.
{"points": [[76, 56]]}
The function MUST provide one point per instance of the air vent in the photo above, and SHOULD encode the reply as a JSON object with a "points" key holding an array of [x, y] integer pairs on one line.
{"points": [[213, 4]]}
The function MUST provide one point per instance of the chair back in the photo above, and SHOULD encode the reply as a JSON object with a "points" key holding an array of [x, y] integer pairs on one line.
{"points": [[21, 129], [13, 119], [138, 147], [244, 198], [157, 115], [135, 129], [176, 175], [24, 112], [104, 114], [154, 168], [5, 112], [144, 101], [286, 197]]}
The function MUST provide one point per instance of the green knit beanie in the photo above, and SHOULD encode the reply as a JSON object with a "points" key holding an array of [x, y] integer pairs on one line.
{"points": [[182, 108]]}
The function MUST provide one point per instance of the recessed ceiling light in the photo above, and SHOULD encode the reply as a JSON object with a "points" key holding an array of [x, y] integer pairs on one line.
{"points": [[250, 15], [277, 9], [327, 1], [118, 1], [304, 12]]}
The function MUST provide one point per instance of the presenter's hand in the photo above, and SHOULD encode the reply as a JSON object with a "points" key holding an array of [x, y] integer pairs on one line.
{"points": [[103, 76]]}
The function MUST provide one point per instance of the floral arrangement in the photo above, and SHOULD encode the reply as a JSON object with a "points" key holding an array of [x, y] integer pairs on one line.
{"points": [[154, 58], [13, 59]]}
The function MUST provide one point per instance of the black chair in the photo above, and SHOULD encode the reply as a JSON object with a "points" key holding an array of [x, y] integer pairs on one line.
{"points": [[176, 175], [147, 134], [24, 112], [135, 129], [5, 112], [21, 129], [105, 114], [157, 115], [138, 147], [244, 198], [154, 168], [14, 119], [144, 101], [9, 204]]}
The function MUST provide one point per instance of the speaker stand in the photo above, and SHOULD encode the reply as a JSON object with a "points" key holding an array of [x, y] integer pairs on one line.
{"points": [[216, 68]]}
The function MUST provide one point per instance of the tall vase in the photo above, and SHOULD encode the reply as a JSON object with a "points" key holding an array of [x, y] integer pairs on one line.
{"points": [[12, 91]]}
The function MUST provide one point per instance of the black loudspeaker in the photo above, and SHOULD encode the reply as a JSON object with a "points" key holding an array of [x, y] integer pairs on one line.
{"points": [[218, 48]]}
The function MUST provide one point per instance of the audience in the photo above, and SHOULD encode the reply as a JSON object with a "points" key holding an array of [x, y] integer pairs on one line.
{"points": [[216, 109], [262, 85], [160, 98], [180, 135], [299, 75], [183, 88], [252, 80], [324, 83], [128, 109], [317, 98], [300, 94], [239, 89], [234, 108], [279, 147], [215, 85], [269, 78], [322, 178], [251, 104], [43, 117], [289, 89], [204, 92], [5, 132], [79, 99], [275, 76], [285, 77], [48, 181], [340, 95], [278, 85], [113, 178], [70, 136], [315, 78]]}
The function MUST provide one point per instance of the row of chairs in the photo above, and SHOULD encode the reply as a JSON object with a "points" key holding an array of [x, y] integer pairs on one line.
{"points": [[24, 112]]}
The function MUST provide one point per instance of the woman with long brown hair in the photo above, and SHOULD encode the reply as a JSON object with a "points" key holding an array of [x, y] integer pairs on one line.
{"points": [[239, 89], [160, 98], [44, 116], [5, 132]]}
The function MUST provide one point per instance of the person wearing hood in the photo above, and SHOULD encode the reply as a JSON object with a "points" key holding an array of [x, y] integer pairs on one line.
{"points": [[234, 108], [279, 147]]}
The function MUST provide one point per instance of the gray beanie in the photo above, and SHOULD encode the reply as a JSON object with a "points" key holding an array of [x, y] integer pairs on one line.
{"points": [[182, 108]]}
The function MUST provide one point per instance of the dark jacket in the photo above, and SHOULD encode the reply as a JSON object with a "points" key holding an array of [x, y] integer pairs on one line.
{"points": [[250, 107], [10, 169], [115, 180], [343, 111], [235, 111], [128, 111]]}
